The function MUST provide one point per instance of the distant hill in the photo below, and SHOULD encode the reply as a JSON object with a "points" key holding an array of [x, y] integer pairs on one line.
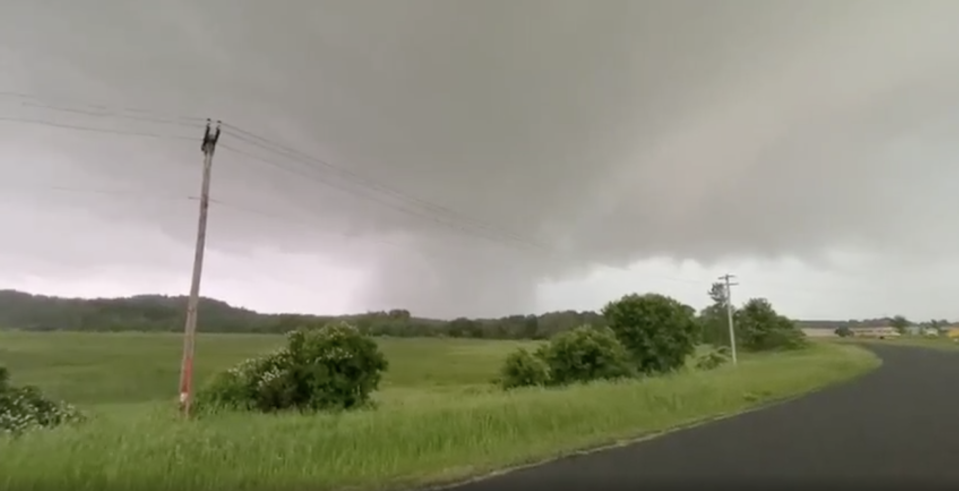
{"points": [[159, 313], [146, 312], [20, 310]]}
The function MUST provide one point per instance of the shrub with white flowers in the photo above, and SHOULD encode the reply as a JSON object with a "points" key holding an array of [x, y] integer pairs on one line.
{"points": [[25, 408], [334, 367]]}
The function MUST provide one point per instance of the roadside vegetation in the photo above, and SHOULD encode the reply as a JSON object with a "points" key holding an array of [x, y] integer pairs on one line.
{"points": [[330, 407]]}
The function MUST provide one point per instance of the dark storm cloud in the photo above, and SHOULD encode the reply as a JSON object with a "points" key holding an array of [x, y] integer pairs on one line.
{"points": [[606, 131]]}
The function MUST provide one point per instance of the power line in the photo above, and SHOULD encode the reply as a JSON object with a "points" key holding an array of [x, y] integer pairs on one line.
{"points": [[214, 202], [139, 194], [91, 129], [287, 219], [144, 194], [372, 197], [184, 123], [411, 206], [42, 101], [177, 137], [372, 184], [321, 180]]}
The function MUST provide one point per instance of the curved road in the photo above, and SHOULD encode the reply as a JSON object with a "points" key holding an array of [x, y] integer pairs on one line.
{"points": [[898, 424]]}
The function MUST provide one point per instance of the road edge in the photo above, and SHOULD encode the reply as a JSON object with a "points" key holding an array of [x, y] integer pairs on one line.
{"points": [[619, 443]]}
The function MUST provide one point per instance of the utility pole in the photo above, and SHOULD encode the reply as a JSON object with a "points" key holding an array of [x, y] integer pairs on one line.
{"points": [[189, 331], [727, 278]]}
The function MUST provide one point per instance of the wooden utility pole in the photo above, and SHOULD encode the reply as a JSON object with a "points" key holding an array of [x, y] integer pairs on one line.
{"points": [[189, 331], [729, 313]]}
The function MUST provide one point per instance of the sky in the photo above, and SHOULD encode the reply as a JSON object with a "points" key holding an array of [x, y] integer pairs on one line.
{"points": [[484, 158]]}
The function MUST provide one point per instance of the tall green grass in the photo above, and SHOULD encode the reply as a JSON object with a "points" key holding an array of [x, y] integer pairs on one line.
{"points": [[99, 368], [433, 431]]}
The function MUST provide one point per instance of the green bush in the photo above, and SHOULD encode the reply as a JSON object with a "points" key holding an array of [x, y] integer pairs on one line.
{"points": [[25, 408], [659, 332], [585, 354], [761, 328], [843, 332], [523, 369], [713, 359], [334, 367]]}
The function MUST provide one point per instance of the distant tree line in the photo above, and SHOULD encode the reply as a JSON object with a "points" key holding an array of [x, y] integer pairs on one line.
{"points": [[158, 313], [899, 322]]}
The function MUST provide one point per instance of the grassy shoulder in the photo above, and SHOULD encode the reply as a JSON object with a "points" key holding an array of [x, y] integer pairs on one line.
{"points": [[411, 439]]}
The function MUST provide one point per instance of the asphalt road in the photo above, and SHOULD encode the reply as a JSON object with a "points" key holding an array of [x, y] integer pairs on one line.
{"points": [[896, 425]]}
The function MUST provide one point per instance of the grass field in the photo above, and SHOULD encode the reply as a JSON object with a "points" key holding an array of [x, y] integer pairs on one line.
{"points": [[941, 343], [439, 418]]}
